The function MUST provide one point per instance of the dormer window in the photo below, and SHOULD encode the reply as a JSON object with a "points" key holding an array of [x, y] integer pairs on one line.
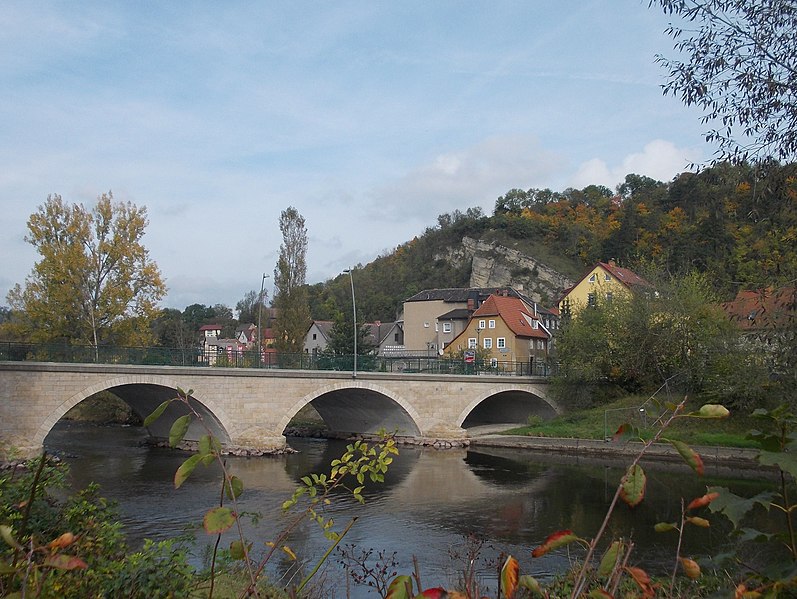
{"points": [[607, 277], [592, 278]]}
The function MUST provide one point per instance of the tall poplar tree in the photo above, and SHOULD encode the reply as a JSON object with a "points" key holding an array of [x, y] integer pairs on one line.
{"points": [[95, 282], [291, 297]]}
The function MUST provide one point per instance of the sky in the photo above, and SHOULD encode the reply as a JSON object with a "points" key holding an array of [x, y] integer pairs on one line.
{"points": [[370, 118]]}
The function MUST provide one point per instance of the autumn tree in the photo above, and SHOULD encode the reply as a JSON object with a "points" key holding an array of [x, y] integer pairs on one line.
{"points": [[95, 282], [291, 297], [740, 67]]}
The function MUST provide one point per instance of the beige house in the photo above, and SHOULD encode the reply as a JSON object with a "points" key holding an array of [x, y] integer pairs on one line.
{"points": [[505, 329]]}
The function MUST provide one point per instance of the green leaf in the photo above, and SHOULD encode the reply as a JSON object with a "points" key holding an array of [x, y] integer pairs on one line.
{"points": [[157, 413], [690, 456], [785, 461], [237, 486], [735, 508], [7, 533], [609, 559], [218, 520], [205, 445], [6, 568], [665, 527], [237, 550], [400, 588], [185, 470], [529, 582], [713, 411], [632, 489], [179, 429]]}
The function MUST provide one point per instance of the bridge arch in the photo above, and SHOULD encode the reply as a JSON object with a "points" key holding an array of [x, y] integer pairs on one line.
{"points": [[507, 403], [359, 407], [143, 395]]}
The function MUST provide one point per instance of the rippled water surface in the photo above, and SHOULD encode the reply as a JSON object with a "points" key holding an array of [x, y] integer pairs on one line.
{"points": [[430, 502]]}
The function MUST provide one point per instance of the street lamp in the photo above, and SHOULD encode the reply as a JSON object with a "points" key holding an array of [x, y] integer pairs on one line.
{"points": [[354, 313], [260, 320]]}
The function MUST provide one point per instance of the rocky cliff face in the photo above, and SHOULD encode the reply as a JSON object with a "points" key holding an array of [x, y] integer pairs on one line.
{"points": [[494, 265]]}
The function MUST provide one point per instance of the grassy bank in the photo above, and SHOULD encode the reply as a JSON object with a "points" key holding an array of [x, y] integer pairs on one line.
{"points": [[603, 421]]}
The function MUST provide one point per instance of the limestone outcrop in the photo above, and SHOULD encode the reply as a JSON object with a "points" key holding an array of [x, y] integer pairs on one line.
{"points": [[495, 265]]}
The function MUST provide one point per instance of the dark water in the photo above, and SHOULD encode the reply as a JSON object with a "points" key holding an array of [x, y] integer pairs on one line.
{"points": [[429, 504]]}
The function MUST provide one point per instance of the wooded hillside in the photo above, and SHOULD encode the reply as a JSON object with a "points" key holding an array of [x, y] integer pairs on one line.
{"points": [[738, 224]]}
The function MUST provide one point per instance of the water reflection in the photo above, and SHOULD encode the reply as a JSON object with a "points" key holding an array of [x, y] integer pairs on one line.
{"points": [[429, 502]]}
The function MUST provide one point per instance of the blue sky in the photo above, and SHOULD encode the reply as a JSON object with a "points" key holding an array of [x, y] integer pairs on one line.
{"points": [[371, 118]]}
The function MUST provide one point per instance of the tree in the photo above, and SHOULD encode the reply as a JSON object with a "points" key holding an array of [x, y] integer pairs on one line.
{"points": [[341, 337], [95, 282], [291, 296], [741, 69]]}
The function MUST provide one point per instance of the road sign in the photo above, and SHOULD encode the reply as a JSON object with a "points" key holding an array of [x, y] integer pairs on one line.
{"points": [[470, 356]]}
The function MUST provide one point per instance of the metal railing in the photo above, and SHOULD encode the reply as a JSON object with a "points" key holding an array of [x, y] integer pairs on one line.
{"points": [[163, 356]]}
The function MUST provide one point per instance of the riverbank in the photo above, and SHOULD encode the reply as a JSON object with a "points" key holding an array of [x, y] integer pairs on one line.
{"points": [[725, 456]]}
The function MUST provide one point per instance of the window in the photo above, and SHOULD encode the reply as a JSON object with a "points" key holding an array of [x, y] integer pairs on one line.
{"points": [[493, 362], [607, 276], [491, 324], [591, 299], [395, 337], [500, 343], [426, 325], [609, 297], [472, 343], [482, 324], [488, 343], [436, 327], [314, 336], [540, 344], [446, 327], [592, 278]]}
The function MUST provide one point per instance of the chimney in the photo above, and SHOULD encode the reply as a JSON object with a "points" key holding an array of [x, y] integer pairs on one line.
{"points": [[612, 263]]}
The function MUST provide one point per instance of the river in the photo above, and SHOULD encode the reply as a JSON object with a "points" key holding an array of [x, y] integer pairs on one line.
{"points": [[431, 501]]}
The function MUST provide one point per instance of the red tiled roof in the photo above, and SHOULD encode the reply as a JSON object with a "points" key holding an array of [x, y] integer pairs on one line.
{"points": [[626, 277], [514, 312], [762, 308]]}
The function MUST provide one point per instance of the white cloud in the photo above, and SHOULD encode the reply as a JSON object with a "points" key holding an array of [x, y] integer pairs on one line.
{"points": [[473, 176], [659, 159]]}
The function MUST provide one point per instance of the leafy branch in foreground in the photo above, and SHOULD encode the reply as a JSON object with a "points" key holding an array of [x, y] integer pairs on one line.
{"points": [[361, 461]]}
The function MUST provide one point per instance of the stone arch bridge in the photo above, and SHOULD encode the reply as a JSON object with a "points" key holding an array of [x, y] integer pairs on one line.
{"points": [[251, 408]]}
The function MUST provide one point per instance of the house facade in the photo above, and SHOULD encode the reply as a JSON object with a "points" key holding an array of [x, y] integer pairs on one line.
{"points": [[605, 281], [435, 317], [505, 329]]}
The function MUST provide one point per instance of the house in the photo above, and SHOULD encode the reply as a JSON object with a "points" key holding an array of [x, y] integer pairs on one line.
{"points": [[505, 328], [384, 337], [317, 337], [433, 318], [213, 346], [605, 281], [246, 334]]}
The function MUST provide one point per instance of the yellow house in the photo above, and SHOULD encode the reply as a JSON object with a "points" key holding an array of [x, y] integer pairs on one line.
{"points": [[505, 329], [606, 281]]}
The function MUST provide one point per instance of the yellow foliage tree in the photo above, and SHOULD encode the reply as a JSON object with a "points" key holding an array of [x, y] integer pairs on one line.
{"points": [[95, 283]]}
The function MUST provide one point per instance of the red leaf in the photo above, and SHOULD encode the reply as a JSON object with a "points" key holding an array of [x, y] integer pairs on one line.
{"points": [[642, 580], [62, 561], [509, 577], [691, 569], [557, 539], [435, 593], [702, 501], [689, 455]]}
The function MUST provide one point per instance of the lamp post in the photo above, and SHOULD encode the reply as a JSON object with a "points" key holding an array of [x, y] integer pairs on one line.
{"points": [[354, 314], [259, 320]]}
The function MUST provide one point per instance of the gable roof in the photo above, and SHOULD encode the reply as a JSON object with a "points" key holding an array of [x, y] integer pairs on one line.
{"points": [[627, 277], [515, 313], [762, 308], [324, 327]]}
